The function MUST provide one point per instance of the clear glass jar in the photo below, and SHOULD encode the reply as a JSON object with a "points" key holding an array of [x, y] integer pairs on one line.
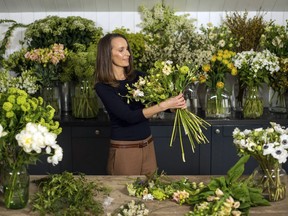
{"points": [[84, 101], [253, 103], [15, 182], [218, 103], [51, 96], [272, 178], [191, 96], [277, 101]]}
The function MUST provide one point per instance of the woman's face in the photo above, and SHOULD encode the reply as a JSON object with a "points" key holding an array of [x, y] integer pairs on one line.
{"points": [[120, 53]]}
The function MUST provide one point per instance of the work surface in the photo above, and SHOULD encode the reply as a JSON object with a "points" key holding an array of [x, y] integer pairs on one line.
{"points": [[159, 208]]}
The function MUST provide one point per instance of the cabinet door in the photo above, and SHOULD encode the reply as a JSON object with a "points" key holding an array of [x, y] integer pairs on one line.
{"points": [[90, 147], [169, 159], [224, 153]]}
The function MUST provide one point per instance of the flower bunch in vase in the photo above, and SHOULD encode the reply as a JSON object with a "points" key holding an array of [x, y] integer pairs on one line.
{"points": [[46, 68], [82, 65], [254, 69], [275, 39], [270, 149], [218, 102], [165, 80], [27, 131], [46, 62]]}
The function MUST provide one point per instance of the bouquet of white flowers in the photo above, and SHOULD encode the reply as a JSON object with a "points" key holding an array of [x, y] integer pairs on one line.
{"points": [[163, 81], [270, 149]]}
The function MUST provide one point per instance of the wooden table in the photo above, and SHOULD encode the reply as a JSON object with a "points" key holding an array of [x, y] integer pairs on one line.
{"points": [[159, 208]]}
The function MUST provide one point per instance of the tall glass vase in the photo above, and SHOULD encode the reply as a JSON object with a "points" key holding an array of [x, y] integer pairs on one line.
{"points": [[191, 96], [84, 101], [218, 103], [51, 96], [277, 101], [253, 103], [271, 178], [15, 182]]}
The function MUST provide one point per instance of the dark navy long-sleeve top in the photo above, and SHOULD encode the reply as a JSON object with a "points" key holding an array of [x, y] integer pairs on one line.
{"points": [[127, 120]]}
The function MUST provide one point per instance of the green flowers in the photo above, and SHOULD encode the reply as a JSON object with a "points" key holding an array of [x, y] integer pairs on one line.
{"points": [[18, 110]]}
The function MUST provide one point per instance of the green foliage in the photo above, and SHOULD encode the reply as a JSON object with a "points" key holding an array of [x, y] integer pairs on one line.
{"points": [[7, 36], [68, 31], [80, 64], [137, 45], [64, 194], [17, 62], [246, 30], [169, 36]]}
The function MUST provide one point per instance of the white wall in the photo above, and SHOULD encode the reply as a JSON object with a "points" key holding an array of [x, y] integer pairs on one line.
{"points": [[111, 20]]}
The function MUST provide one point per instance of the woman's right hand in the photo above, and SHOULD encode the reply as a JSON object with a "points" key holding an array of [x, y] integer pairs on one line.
{"points": [[176, 102]]}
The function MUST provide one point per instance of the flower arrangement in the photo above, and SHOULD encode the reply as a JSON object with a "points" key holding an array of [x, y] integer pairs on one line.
{"points": [[254, 69], [163, 81], [26, 81], [27, 129], [225, 195], [218, 102], [220, 37], [46, 62], [269, 148], [214, 73], [275, 39], [81, 65], [69, 31], [169, 36]]}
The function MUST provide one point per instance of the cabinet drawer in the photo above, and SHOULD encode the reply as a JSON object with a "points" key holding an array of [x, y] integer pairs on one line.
{"points": [[91, 132]]}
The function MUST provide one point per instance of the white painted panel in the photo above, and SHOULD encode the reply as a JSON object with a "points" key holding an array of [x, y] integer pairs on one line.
{"points": [[128, 21], [192, 5], [281, 5], [115, 20], [103, 20]]}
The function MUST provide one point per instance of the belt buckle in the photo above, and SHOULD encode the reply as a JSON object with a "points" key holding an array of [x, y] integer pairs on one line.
{"points": [[145, 143]]}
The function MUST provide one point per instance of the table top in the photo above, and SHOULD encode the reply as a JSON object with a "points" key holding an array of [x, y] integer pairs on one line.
{"points": [[156, 208]]}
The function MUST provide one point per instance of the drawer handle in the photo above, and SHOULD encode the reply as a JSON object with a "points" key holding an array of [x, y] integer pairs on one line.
{"points": [[97, 132], [217, 131]]}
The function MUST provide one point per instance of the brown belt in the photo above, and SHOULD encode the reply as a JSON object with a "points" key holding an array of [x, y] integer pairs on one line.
{"points": [[134, 144]]}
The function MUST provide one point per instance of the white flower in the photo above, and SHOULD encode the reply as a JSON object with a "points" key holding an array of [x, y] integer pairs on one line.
{"points": [[280, 153], [148, 197], [284, 140], [268, 148], [2, 133], [138, 93]]}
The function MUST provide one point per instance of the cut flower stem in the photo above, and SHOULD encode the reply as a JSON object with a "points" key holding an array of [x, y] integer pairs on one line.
{"points": [[192, 125]]}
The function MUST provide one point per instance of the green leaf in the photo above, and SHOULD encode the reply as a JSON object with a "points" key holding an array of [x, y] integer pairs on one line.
{"points": [[237, 170]]}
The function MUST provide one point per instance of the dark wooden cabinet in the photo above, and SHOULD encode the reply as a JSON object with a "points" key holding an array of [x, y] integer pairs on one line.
{"points": [[85, 146]]}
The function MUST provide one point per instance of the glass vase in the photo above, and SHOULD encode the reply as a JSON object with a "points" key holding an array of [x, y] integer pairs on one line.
{"points": [[218, 103], [277, 101], [15, 183], [253, 104], [191, 96], [272, 180], [51, 96], [84, 101]]}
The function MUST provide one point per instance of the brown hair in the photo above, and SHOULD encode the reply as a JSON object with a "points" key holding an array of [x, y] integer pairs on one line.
{"points": [[104, 72]]}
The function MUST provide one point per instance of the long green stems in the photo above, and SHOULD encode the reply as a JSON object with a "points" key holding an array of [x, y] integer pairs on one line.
{"points": [[192, 125]]}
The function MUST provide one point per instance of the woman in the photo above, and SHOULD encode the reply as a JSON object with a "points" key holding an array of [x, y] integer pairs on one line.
{"points": [[131, 148]]}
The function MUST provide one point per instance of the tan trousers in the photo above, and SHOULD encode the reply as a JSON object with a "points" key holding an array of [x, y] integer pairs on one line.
{"points": [[125, 160]]}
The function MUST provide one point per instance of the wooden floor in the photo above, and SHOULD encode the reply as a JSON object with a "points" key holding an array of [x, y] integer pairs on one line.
{"points": [[157, 208]]}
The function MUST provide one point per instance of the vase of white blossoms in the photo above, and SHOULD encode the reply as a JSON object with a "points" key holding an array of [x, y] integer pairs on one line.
{"points": [[254, 69], [269, 148], [27, 131]]}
